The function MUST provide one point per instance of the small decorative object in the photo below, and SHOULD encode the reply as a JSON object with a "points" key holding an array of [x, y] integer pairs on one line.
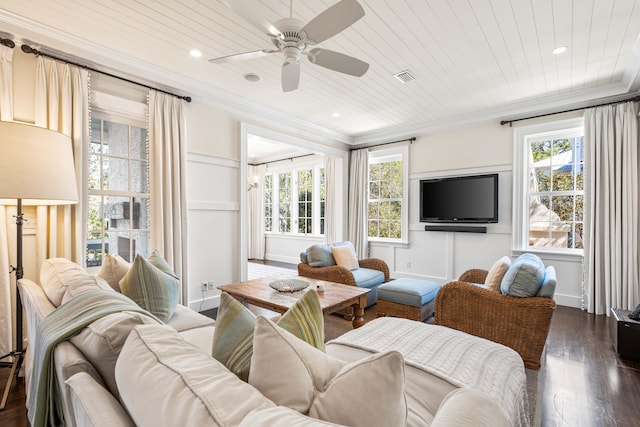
{"points": [[289, 285], [320, 286]]}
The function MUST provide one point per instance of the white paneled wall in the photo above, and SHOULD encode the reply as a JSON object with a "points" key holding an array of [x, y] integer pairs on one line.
{"points": [[213, 216]]}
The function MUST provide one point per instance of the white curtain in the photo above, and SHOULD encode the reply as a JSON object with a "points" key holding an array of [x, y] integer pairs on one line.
{"points": [[256, 211], [358, 183], [62, 104], [167, 167], [611, 207], [7, 289], [330, 212]]}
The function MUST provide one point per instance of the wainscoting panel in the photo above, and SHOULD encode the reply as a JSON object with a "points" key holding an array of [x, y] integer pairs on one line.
{"points": [[213, 226]]}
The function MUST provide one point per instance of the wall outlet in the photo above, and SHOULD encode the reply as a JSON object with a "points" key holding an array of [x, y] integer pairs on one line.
{"points": [[209, 285], [408, 264]]}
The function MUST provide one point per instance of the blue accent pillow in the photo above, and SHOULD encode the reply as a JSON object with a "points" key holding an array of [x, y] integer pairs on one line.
{"points": [[548, 287], [320, 256], [524, 277]]}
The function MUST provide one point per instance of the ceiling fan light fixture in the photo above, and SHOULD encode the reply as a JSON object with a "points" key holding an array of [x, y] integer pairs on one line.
{"points": [[252, 77]]}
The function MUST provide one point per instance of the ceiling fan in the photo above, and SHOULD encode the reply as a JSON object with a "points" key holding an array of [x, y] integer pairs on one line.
{"points": [[294, 38]]}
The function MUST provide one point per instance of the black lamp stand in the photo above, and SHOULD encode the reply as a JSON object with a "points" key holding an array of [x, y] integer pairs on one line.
{"points": [[18, 353]]}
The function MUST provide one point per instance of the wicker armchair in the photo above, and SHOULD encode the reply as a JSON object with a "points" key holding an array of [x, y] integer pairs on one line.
{"points": [[339, 274], [519, 323]]}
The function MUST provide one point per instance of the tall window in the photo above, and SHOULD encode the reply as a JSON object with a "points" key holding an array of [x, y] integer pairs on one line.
{"points": [[551, 173], [387, 195], [118, 202], [299, 195], [284, 202], [305, 202], [268, 203]]}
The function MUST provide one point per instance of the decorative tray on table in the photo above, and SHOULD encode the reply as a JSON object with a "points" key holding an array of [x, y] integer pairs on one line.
{"points": [[289, 285]]}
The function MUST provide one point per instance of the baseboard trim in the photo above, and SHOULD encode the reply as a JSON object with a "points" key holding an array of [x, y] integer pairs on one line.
{"points": [[206, 303], [568, 300]]}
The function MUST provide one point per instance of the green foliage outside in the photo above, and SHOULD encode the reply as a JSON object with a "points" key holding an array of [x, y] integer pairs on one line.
{"points": [[385, 200], [550, 178]]}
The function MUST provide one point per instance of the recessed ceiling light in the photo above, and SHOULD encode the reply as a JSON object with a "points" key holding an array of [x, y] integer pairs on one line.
{"points": [[559, 50], [195, 53], [335, 115], [252, 77]]}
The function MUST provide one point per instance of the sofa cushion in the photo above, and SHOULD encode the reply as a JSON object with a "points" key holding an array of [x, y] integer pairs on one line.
{"points": [[524, 277], [465, 407], [113, 269], [367, 277], [102, 341], [166, 381], [93, 405], [294, 374], [496, 273], [548, 287], [62, 279], [151, 288], [184, 318], [345, 257], [320, 256], [233, 335], [281, 416]]}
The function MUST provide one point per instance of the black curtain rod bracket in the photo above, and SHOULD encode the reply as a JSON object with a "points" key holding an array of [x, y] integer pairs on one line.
{"points": [[510, 122], [29, 50]]}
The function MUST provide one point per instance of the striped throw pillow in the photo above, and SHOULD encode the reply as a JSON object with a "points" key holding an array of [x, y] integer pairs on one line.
{"points": [[151, 288], [233, 334]]}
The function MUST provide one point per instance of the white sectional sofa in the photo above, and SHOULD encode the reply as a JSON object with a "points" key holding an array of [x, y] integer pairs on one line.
{"points": [[125, 369]]}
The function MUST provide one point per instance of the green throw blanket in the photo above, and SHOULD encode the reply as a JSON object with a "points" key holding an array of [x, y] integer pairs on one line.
{"points": [[59, 325]]}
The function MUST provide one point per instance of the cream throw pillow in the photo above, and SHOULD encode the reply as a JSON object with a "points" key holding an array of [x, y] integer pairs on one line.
{"points": [[345, 257], [496, 273], [292, 373], [113, 269], [62, 280]]}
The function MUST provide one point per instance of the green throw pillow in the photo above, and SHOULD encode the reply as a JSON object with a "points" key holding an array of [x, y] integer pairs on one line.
{"points": [[233, 334], [151, 288]]}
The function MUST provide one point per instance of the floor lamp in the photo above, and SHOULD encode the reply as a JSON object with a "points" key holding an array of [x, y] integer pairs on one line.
{"points": [[36, 168]]}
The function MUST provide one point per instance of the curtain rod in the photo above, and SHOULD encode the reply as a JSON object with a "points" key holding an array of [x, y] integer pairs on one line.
{"points": [[635, 98], [28, 49], [413, 138], [286, 158]]}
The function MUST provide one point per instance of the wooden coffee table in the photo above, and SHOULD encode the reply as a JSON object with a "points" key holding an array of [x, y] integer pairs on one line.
{"points": [[335, 297]]}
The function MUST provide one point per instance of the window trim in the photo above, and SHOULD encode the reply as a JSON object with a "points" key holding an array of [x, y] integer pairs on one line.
{"points": [[381, 155], [520, 191]]}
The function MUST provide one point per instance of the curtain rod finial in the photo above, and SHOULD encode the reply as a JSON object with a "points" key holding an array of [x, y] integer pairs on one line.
{"points": [[8, 43]]}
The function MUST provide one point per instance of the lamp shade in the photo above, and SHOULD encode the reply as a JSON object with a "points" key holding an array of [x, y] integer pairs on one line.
{"points": [[36, 165]]}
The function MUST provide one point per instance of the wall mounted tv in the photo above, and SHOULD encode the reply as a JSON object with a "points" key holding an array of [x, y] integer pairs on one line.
{"points": [[463, 199]]}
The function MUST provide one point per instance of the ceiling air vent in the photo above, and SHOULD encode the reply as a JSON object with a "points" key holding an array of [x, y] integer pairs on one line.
{"points": [[404, 76]]}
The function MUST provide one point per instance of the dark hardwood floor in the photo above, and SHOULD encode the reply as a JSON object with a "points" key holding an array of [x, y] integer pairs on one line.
{"points": [[583, 382]]}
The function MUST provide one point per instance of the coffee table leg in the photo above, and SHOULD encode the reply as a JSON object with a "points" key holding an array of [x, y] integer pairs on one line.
{"points": [[358, 312], [349, 314]]}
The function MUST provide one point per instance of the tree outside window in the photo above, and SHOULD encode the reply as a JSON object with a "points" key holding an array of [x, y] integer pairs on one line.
{"points": [[556, 191], [268, 203], [284, 205], [305, 202], [385, 199]]}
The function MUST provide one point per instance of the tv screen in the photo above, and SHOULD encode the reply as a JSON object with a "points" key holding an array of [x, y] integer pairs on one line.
{"points": [[464, 199]]}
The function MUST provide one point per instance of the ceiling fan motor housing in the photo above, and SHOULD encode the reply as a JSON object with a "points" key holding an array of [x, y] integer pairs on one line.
{"points": [[290, 41]]}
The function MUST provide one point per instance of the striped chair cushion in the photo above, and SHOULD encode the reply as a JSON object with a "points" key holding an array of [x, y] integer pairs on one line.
{"points": [[151, 288], [233, 335]]}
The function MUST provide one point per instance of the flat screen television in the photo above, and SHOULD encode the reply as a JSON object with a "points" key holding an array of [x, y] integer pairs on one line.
{"points": [[463, 199]]}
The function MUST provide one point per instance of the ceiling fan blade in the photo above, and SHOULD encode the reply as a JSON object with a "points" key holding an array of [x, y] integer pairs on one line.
{"points": [[242, 56], [337, 61], [290, 76], [333, 20], [251, 16]]}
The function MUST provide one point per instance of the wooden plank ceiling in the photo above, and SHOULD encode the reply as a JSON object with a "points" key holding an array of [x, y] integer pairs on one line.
{"points": [[472, 59]]}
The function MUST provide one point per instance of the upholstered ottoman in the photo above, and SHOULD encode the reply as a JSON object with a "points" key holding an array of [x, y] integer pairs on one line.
{"points": [[409, 298]]}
